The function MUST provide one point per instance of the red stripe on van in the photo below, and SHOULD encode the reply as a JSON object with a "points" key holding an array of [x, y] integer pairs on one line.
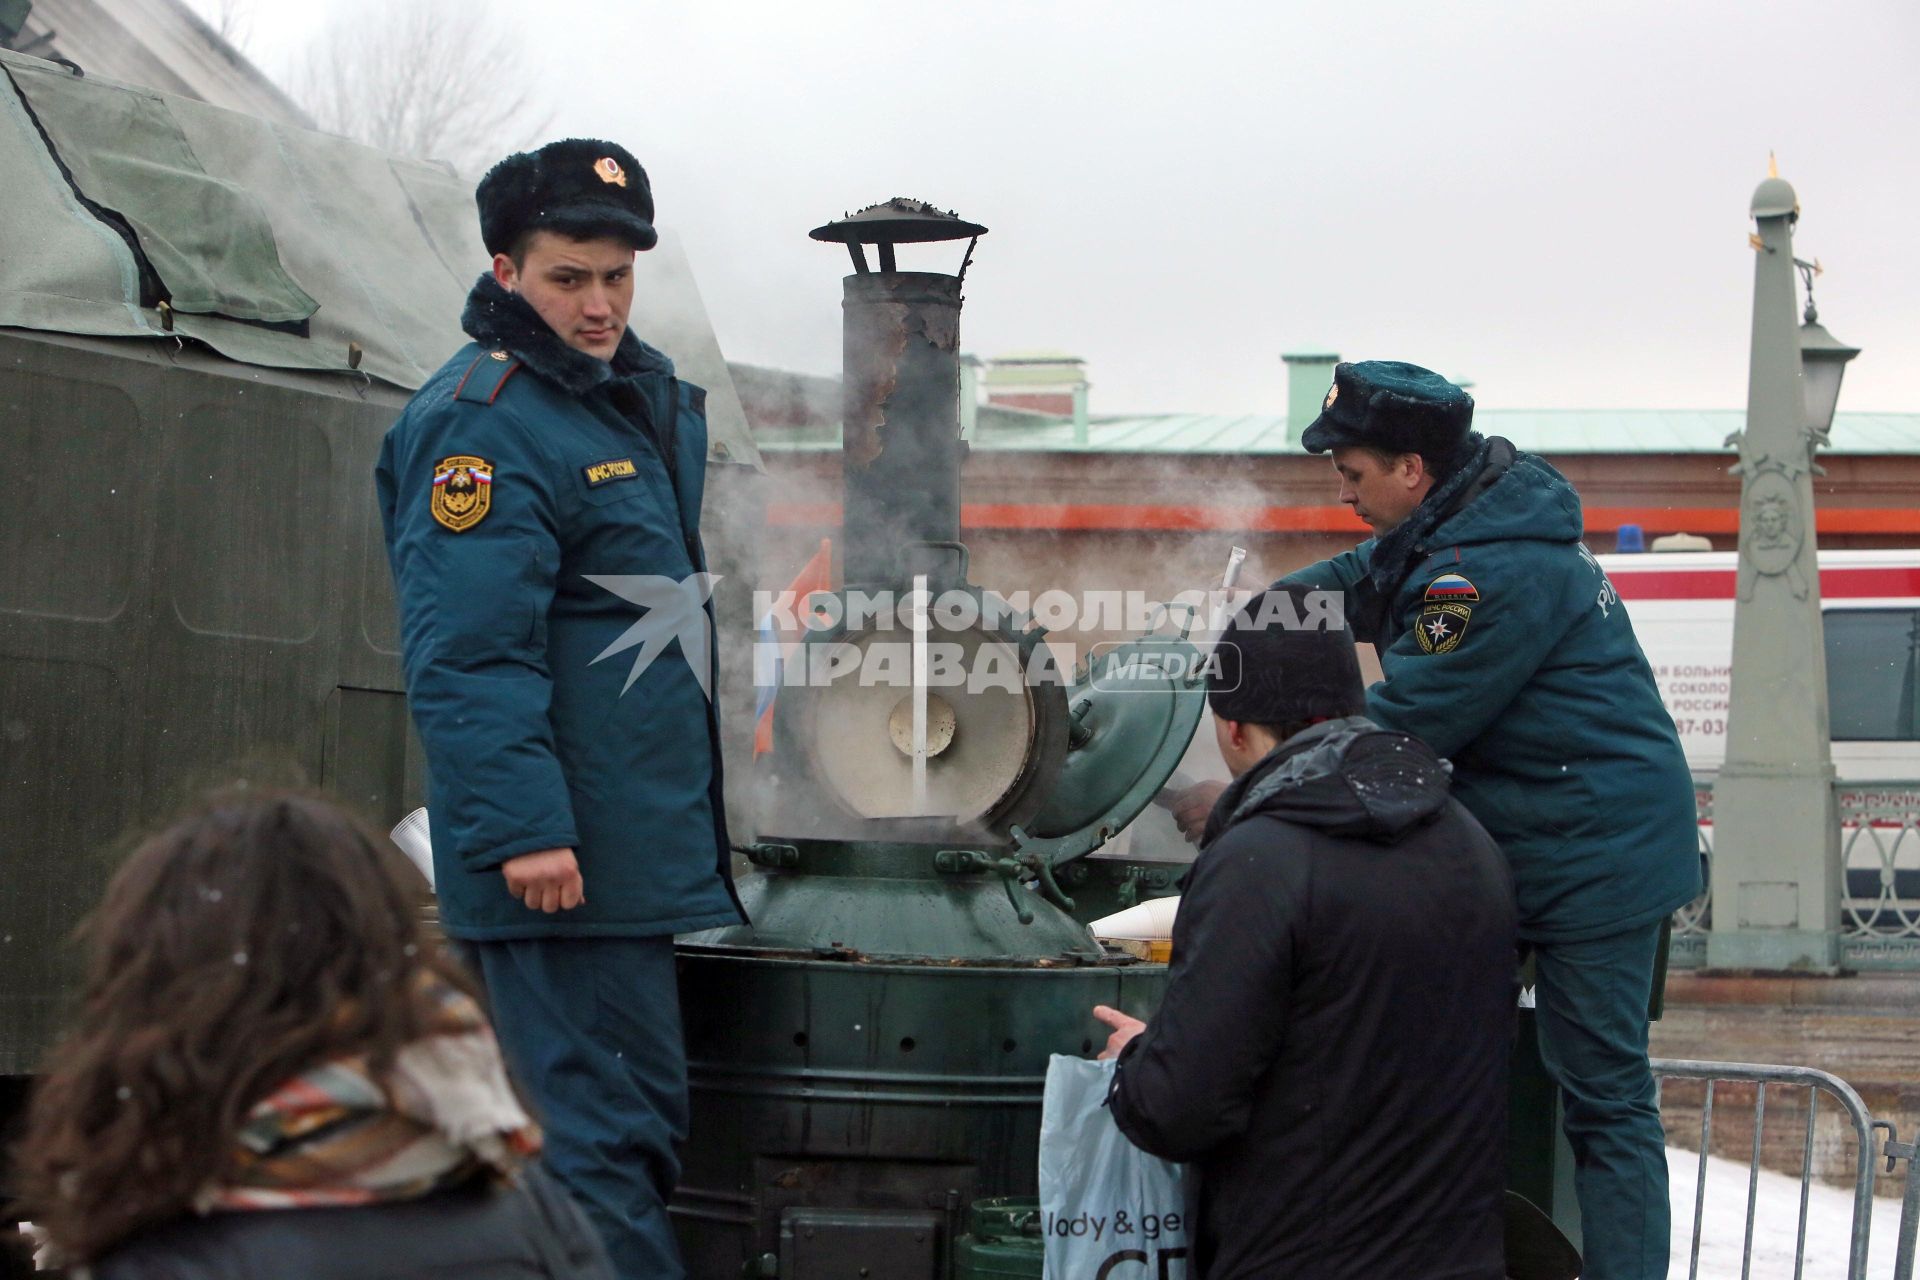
{"points": [[1718, 584]]}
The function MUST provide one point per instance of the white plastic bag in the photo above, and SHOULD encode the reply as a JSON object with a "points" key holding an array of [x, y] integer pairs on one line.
{"points": [[1110, 1210]]}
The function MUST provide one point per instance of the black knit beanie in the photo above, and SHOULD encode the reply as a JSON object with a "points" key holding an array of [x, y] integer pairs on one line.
{"points": [[1286, 658]]}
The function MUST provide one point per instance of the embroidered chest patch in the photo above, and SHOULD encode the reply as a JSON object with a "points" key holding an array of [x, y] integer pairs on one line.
{"points": [[599, 473], [462, 491], [1445, 612]]}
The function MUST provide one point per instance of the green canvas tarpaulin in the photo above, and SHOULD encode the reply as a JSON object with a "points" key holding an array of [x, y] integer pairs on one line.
{"points": [[274, 245], [207, 240]]}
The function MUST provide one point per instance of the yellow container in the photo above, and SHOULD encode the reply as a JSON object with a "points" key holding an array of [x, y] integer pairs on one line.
{"points": [[1153, 950]]}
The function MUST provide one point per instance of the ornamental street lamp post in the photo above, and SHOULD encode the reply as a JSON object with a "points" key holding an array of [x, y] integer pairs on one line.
{"points": [[1777, 880]]}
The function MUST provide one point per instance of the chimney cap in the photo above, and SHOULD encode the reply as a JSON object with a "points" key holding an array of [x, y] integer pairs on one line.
{"points": [[898, 221]]}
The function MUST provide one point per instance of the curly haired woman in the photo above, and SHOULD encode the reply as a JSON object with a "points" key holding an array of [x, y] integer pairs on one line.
{"points": [[275, 1072]]}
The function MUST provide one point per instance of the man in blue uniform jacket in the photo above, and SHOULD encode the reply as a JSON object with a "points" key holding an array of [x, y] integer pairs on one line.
{"points": [[1505, 649], [541, 501]]}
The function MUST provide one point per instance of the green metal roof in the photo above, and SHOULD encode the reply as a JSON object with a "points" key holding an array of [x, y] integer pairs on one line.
{"points": [[1037, 355], [1679, 430], [1546, 431], [1034, 370]]}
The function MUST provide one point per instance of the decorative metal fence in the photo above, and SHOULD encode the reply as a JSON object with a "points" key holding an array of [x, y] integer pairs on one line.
{"points": [[1879, 865]]}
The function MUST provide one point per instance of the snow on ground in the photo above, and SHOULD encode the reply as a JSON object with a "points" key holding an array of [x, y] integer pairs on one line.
{"points": [[1775, 1223]]}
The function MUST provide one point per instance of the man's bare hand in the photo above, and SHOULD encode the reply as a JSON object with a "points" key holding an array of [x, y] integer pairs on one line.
{"points": [[546, 881], [1190, 807], [1124, 1029]]}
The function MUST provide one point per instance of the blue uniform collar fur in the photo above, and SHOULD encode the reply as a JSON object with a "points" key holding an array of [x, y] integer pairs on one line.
{"points": [[495, 317], [1400, 549]]}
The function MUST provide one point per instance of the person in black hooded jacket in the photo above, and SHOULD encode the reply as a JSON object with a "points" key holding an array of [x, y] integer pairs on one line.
{"points": [[1331, 1053]]}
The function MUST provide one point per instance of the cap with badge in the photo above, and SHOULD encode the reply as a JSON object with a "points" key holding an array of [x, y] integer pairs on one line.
{"points": [[581, 187], [1391, 405]]}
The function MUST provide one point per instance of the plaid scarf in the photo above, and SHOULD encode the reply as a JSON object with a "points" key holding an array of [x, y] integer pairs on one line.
{"points": [[333, 1135]]}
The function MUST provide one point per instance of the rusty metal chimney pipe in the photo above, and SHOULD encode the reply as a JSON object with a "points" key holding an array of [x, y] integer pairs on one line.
{"points": [[901, 446]]}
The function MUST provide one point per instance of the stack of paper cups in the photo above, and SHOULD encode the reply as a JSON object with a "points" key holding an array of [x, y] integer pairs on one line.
{"points": [[1150, 922], [411, 835]]}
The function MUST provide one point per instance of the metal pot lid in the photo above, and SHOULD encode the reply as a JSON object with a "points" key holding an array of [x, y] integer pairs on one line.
{"points": [[1132, 715]]}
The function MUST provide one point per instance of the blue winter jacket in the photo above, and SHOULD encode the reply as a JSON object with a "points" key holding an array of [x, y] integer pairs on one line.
{"points": [[519, 474], [1506, 649]]}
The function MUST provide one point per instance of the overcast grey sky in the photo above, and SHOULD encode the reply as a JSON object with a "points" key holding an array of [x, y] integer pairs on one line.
{"points": [[1549, 198]]}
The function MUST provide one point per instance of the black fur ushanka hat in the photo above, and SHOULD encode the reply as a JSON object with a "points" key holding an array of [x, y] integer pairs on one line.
{"points": [[581, 187]]}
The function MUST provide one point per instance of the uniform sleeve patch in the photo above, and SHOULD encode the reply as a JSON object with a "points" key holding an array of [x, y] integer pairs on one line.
{"points": [[1445, 612], [462, 491], [599, 473]]}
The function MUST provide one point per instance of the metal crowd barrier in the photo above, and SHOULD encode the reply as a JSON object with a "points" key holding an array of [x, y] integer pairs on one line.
{"points": [[1896, 1151], [1865, 1129]]}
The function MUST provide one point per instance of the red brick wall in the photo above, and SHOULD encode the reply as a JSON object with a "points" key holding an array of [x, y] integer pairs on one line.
{"points": [[1057, 402], [1052, 515]]}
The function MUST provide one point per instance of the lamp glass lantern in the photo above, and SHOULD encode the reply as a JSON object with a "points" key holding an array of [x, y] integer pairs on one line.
{"points": [[1823, 362]]}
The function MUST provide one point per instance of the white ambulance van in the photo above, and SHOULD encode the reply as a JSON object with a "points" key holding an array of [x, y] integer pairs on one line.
{"points": [[1682, 602]]}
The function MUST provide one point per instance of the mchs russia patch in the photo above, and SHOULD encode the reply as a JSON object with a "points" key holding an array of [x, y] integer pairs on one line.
{"points": [[1445, 612]]}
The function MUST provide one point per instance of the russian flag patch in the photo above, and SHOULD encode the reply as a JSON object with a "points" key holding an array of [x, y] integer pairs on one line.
{"points": [[1453, 587]]}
